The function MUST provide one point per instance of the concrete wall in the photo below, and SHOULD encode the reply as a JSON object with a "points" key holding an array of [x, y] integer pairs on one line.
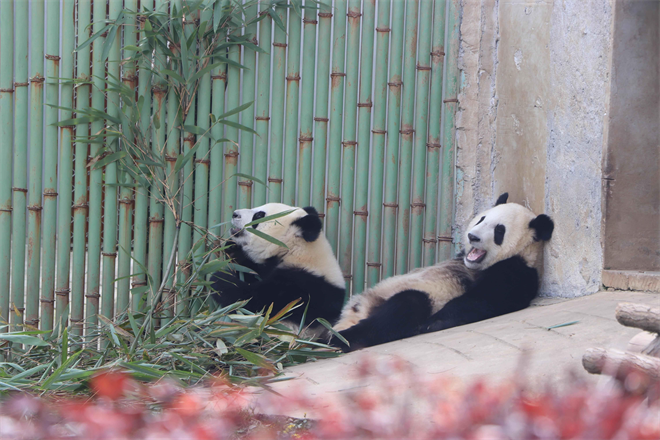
{"points": [[532, 122]]}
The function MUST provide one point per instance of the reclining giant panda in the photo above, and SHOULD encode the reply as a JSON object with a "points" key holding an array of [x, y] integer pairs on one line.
{"points": [[306, 268], [497, 276]]}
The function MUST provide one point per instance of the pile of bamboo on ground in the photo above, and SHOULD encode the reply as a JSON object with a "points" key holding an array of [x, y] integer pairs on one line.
{"points": [[643, 353]]}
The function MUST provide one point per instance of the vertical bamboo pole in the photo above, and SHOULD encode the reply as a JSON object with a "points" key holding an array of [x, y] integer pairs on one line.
{"points": [[219, 83], [202, 155], [95, 175], [247, 116], [433, 145], [336, 123], [110, 206], [392, 155], [185, 230], [307, 108], [36, 162], [126, 197], [378, 154], [156, 195], [407, 131], [6, 138], [171, 154], [65, 166], [277, 108], [263, 98], [364, 141], [231, 152], [140, 232], [50, 166], [292, 95], [421, 127], [321, 108], [80, 169], [349, 141], [20, 162], [445, 247]]}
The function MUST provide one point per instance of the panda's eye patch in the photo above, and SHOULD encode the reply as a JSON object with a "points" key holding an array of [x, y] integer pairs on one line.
{"points": [[257, 216], [480, 220], [499, 234]]}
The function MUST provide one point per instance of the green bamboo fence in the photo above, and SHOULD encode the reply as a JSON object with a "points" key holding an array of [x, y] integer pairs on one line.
{"points": [[344, 107]]}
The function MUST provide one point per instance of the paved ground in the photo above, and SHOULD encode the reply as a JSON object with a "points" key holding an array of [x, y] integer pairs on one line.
{"points": [[493, 347]]}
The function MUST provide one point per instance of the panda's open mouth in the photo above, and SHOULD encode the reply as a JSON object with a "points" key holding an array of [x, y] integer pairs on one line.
{"points": [[476, 255], [235, 231]]}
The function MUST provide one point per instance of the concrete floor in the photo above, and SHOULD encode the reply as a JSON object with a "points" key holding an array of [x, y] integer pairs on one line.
{"points": [[493, 347]]}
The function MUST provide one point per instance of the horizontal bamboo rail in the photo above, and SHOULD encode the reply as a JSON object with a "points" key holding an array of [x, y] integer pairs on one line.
{"points": [[349, 113]]}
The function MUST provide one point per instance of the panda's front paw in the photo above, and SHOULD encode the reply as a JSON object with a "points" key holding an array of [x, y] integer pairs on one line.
{"points": [[435, 326]]}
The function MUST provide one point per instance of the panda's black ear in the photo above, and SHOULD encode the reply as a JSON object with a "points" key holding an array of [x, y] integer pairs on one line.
{"points": [[310, 225], [543, 227], [502, 199]]}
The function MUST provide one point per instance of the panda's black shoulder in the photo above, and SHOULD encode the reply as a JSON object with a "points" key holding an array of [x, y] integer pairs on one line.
{"points": [[509, 281]]}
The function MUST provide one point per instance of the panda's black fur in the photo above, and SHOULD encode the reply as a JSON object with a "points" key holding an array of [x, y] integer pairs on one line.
{"points": [[452, 293], [306, 269]]}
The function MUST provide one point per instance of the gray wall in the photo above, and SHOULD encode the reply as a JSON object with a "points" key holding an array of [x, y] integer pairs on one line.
{"points": [[532, 122]]}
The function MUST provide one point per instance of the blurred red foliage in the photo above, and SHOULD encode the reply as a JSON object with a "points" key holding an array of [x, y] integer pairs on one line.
{"points": [[394, 403]]}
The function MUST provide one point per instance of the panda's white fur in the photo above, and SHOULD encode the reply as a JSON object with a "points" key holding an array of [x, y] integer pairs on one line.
{"points": [[306, 268], [497, 275]]}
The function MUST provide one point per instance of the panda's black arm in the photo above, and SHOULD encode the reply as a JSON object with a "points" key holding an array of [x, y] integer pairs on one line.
{"points": [[505, 287]]}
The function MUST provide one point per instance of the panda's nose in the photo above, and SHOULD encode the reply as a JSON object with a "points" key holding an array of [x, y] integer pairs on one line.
{"points": [[473, 238], [235, 215]]}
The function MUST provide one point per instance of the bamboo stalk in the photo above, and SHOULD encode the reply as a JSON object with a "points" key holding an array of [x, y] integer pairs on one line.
{"points": [[333, 198], [307, 108], [407, 131], [292, 95], [231, 151], [202, 155], [49, 217], [321, 109], [247, 116], [140, 228], [350, 141], [433, 143], [374, 264], [263, 98], [186, 179], [65, 165], [20, 164], [110, 207], [36, 161], [364, 140], [6, 138], [393, 126], [172, 178], [219, 83], [80, 169], [450, 101], [126, 194], [421, 128], [95, 176], [277, 106]]}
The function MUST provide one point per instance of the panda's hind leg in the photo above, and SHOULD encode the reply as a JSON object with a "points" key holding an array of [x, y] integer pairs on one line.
{"points": [[396, 318]]}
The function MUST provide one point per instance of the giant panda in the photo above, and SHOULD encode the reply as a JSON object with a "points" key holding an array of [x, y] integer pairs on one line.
{"points": [[498, 275], [306, 268]]}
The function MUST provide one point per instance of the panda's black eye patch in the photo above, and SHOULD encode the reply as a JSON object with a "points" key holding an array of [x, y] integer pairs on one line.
{"points": [[499, 234], [257, 216], [481, 219]]}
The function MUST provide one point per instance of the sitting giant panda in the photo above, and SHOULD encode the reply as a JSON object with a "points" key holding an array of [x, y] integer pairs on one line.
{"points": [[497, 276], [305, 269]]}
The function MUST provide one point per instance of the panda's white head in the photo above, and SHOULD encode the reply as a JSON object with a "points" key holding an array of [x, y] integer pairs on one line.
{"points": [[300, 230], [504, 231]]}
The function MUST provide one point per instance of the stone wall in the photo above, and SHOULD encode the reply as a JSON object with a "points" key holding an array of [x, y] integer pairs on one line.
{"points": [[532, 121]]}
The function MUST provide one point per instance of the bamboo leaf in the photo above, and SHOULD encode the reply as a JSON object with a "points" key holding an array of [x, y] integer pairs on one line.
{"points": [[237, 125], [276, 18], [91, 39], [56, 374], [173, 74], [109, 159], [267, 237], [20, 338], [203, 72], [256, 359], [327, 325], [269, 217], [284, 311], [212, 267], [238, 109]]}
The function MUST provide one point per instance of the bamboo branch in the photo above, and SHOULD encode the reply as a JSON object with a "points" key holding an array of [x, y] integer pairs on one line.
{"points": [[618, 363], [639, 316]]}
